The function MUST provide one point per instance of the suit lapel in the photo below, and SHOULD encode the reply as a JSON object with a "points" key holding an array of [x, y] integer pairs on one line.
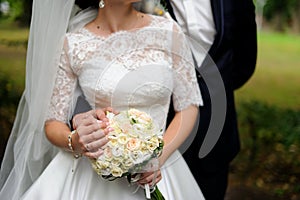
{"points": [[170, 9]]}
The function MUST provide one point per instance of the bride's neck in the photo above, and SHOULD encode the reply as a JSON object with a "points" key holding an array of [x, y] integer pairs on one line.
{"points": [[116, 16]]}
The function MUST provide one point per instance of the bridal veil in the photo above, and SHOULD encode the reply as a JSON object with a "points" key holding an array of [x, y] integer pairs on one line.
{"points": [[28, 151]]}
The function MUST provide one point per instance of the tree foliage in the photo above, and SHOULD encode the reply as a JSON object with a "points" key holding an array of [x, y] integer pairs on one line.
{"points": [[25, 16], [20, 11], [280, 13]]}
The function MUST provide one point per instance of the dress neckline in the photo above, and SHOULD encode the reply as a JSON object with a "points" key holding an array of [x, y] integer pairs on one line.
{"points": [[135, 30]]}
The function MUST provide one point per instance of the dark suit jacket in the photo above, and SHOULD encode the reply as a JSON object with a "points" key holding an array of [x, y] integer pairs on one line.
{"points": [[234, 52]]}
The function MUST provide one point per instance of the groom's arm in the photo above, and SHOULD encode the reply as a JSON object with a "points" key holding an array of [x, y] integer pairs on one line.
{"points": [[245, 43]]}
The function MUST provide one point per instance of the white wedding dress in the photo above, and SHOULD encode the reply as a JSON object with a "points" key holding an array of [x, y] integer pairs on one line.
{"points": [[129, 69]]}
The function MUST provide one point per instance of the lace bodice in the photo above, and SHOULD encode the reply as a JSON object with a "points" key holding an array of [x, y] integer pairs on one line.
{"points": [[141, 68]]}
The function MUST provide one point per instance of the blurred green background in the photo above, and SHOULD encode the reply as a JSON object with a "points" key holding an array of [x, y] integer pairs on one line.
{"points": [[268, 106]]}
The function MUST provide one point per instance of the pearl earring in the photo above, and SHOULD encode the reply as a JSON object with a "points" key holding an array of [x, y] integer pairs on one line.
{"points": [[101, 4]]}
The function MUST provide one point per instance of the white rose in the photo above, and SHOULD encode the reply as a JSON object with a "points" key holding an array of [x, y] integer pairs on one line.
{"points": [[151, 146], [104, 172], [122, 138], [116, 171], [115, 162], [112, 141], [108, 153], [117, 151], [137, 157], [128, 163], [102, 164]]}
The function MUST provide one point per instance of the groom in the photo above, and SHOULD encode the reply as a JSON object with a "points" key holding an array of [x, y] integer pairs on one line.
{"points": [[227, 29]]}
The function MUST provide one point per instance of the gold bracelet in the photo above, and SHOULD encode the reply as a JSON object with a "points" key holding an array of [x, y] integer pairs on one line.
{"points": [[70, 141], [76, 155]]}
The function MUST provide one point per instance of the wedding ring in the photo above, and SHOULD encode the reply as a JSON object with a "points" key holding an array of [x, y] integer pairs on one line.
{"points": [[87, 147]]}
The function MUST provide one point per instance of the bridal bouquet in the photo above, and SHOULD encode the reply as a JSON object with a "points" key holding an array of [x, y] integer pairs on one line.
{"points": [[133, 147]]}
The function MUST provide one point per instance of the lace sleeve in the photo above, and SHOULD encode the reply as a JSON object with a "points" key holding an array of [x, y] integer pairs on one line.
{"points": [[65, 83], [186, 91]]}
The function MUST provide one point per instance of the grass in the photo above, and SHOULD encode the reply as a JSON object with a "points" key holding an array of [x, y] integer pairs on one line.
{"points": [[13, 57], [276, 79], [12, 31], [275, 82], [12, 64]]}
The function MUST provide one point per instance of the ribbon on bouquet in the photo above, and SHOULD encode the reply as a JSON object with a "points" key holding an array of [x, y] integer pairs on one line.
{"points": [[147, 190]]}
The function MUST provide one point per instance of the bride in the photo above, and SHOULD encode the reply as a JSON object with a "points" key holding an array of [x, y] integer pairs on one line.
{"points": [[120, 58]]}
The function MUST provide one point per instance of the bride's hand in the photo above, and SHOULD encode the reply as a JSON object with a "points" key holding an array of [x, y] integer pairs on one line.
{"points": [[97, 114], [91, 130], [151, 178]]}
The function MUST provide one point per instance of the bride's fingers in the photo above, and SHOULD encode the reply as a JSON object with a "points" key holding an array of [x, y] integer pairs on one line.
{"points": [[79, 118], [92, 142], [90, 127], [86, 130], [100, 114], [96, 135], [152, 182], [151, 178], [155, 180], [96, 145], [110, 109], [95, 154], [87, 136], [88, 117]]}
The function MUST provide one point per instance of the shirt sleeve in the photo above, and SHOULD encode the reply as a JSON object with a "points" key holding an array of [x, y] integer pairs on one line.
{"points": [[186, 91], [64, 87], [196, 20]]}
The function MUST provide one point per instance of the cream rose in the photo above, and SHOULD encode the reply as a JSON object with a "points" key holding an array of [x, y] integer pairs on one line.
{"points": [[116, 171], [122, 138], [133, 144]]}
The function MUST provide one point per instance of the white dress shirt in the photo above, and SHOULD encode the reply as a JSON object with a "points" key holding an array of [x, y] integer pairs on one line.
{"points": [[196, 19]]}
